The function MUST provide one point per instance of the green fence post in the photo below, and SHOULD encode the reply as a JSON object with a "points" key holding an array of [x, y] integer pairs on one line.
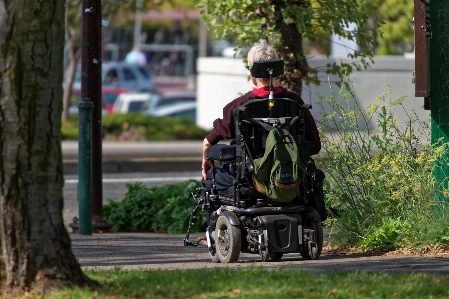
{"points": [[85, 167], [439, 83]]}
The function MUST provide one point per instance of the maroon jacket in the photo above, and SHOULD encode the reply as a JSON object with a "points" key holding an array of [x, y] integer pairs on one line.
{"points": [[224, 127]]}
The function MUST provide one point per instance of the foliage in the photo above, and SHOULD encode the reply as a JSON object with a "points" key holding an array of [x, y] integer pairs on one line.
{"points": [[380, 186], [158, 209], [284, 21], [69, 129], [397, 30], [255, 282], [140, 127]]}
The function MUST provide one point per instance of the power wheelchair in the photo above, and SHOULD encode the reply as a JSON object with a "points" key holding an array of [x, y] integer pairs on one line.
{"points": [[240, 217]]}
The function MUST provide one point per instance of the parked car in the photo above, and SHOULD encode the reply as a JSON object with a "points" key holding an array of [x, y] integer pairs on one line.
{"points": [[110, 95], [172, 98], [133, 102], [76, 97], [184, 110], [129, 76], [122, 75]]}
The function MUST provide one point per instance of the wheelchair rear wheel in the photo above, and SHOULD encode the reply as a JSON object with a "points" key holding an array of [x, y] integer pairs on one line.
{"points": [[318, 237], [227, 240]]}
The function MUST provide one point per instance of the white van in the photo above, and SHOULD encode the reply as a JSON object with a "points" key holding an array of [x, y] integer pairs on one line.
{"points": [[134, 102]]}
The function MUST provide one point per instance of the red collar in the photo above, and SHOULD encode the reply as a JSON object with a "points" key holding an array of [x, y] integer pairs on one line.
{"points": [[264, 91]]}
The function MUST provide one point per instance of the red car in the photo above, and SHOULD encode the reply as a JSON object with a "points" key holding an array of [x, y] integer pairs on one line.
{"points": [[110, 94]]}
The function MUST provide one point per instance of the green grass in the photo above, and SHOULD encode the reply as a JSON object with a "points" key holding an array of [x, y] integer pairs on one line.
{"points": [[256, 282]]}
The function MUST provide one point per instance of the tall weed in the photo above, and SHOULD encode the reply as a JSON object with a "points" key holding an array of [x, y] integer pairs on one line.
{"points": [[380, 188]]}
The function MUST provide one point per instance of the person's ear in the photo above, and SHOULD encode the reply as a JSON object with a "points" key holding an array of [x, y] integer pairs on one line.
{"points": [[254, 80]]}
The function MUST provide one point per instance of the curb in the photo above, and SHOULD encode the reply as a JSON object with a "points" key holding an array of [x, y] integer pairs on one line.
{"points": [[126, 157], [140, 165]]}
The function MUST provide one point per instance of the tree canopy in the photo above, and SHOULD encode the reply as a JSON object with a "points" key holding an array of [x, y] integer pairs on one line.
{"points": [[398, 34], [286, 23]]}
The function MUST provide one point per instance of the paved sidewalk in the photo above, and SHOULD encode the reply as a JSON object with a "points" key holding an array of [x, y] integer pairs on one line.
{"points": [[167, 251]]}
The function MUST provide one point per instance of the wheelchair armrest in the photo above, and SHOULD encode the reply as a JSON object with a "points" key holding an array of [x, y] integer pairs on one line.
{"points": [[221, 152]]}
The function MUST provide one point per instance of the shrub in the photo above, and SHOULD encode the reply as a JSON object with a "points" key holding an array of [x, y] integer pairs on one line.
{"points": [[142, 127], [155, 209], [69, 129], [380, 188]]}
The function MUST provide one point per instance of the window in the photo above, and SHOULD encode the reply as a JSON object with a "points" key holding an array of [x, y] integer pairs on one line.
{"points": [[138, 106], [144, 72], [128, 74], [110, 97], [190, 114]]}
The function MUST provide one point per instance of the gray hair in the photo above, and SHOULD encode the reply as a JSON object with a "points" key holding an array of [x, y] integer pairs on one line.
{"points": [[261, 51]]}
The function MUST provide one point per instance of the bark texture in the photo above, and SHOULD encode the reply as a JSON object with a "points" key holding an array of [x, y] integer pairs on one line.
{"points": [[36, 245], [290, 48], [289, 41]]}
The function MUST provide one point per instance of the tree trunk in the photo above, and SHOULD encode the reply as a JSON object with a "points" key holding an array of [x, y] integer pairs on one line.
{"points": [[70, 76], [295, 66], [290, 48], [36, 245], [74, 56]]}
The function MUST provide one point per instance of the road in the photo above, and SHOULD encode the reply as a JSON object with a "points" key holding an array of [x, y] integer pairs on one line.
{"points": [[114, 186]]}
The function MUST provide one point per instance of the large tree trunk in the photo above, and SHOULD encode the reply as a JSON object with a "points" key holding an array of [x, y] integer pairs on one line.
{"points": [[36, 245]]}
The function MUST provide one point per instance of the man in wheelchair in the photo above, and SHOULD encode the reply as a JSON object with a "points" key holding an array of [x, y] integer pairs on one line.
{"points": [[262, 193]]}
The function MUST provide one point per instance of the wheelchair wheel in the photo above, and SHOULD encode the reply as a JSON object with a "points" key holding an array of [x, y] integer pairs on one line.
{"points": [[317, 202], [318, 236], [227, 240], [263, 254]]}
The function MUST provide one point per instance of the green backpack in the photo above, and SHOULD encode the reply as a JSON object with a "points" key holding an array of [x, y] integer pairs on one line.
{"points": [[280, 171]]}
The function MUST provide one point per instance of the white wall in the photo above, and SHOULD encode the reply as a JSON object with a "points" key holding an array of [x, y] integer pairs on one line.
{"points": [[220, 80]]}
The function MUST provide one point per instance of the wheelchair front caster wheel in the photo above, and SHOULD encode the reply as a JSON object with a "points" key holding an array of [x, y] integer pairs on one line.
{"points": [[263, 254]]}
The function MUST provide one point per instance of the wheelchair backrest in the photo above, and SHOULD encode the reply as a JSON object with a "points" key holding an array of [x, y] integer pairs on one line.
{"points": [[254, 119]]}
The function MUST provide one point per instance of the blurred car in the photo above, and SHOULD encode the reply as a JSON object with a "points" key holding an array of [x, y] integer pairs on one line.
{"points": [[172, 98], [184, 110], [133, 102], [129, 76], [110, 95], [124, 75], [76, 97]]}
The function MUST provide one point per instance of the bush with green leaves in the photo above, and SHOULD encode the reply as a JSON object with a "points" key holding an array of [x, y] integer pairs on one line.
{"points": [[156, 209], [380, 187], [144, 127]]}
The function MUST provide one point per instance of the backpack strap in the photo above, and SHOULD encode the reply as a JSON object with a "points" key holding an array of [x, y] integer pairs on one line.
{"points": [[290, 124], [258, 123]]}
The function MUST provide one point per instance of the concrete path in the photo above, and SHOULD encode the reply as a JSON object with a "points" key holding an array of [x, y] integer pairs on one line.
{"points": [[167, 251]]}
